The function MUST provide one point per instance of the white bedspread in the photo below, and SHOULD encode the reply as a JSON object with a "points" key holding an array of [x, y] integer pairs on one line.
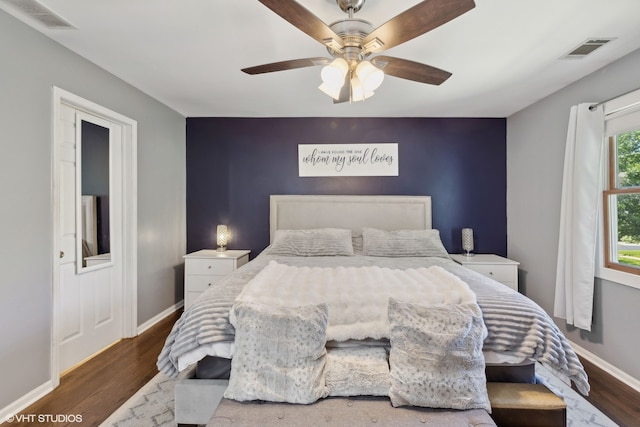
{"points": [[518, 327], [357, 297]]}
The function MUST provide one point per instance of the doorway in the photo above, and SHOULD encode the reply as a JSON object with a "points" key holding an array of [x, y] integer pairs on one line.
{"points": [[95, 228]]}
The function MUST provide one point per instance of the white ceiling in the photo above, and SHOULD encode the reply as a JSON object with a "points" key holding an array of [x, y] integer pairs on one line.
{"points": [[504, 54]]}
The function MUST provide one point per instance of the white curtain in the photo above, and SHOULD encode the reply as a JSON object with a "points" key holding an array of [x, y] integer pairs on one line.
{"points": [[581, 201]]}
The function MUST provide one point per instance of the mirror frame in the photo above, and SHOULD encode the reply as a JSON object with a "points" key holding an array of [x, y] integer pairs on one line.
{"points": [[80, 117]]}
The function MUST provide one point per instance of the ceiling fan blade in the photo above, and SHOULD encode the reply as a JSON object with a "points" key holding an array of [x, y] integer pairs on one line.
{"points": [[413, 22], [286, 65], [305, 21], [410, 70]]}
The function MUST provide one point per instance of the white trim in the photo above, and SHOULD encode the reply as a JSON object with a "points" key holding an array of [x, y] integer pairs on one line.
{"points": [[620, 106], [623, 103], [129, 211], [26, 400], [619, 277], [607, 367], [130, 227], [159, 317]]}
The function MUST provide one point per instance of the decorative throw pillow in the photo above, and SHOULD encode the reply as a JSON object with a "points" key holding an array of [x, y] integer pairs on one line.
{"points": [[403, 243], [436, 356], [312, 242], [357, 371], [279, 353]]}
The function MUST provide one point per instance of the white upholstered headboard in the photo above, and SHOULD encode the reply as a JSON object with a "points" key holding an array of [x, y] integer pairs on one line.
{"points": [[293, 212]]}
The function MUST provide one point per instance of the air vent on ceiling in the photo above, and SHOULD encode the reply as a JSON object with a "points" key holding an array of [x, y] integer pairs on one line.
{"points": [[40, 13], [587, 47]]}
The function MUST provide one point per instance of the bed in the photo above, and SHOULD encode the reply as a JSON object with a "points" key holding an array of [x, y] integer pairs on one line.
{"points": [[319, 243]]}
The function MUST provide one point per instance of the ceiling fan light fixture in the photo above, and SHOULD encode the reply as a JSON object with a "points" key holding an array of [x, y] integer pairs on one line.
{"points": [[334, 73], [370, 76], [349, 77]]}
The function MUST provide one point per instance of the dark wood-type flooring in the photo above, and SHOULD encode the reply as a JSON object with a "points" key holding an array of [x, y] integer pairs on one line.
{"points": [[614, 398], [101, 385]]}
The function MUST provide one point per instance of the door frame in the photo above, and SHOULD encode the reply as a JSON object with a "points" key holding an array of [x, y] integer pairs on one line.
{"points": [[129, 218]]}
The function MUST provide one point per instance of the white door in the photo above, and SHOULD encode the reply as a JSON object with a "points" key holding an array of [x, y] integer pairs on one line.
{"points": [[90, 279]]}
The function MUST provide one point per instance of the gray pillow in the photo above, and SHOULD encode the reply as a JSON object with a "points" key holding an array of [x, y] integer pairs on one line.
{"points": [[403, 243], [357, 371], [312, 242], [279, 353], [436, 358]]}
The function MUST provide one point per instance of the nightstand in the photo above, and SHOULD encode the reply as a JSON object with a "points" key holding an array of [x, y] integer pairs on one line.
{"points": [[207, 266], [496, 267]]}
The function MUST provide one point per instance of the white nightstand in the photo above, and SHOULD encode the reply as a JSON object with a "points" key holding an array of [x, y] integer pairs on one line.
{"points": [[207, 266], [498, 268]]}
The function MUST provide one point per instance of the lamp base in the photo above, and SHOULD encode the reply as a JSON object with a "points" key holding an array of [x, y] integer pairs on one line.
{"points": [[469, 254], [221, 249]]}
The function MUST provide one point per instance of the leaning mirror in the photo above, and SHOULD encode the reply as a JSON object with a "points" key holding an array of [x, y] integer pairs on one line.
{"points": [[93, 166]]}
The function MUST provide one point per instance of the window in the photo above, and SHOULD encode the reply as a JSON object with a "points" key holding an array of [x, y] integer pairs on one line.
{"points": [[622, 203], [621, 195]]}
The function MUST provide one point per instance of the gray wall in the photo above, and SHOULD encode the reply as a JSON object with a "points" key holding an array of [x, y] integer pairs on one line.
{"points": [[30, 65], [535, 155]]}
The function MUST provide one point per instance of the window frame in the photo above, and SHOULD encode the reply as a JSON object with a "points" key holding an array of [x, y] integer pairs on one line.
{"points": [[612, 189], [623, 107]]}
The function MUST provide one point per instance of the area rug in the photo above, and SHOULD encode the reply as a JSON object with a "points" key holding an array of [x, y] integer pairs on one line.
{"points": [[152, 405]]}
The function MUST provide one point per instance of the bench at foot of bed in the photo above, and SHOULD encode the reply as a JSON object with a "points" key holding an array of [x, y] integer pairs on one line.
{"points": [[526, 405], [338, 411]]}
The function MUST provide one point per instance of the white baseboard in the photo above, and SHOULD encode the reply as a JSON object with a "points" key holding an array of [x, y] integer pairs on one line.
{"points": [[26, 400], [607, 367], [159, 317]]}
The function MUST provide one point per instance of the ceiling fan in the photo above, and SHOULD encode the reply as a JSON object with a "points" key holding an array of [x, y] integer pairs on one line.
{"points": [[350, 75]]}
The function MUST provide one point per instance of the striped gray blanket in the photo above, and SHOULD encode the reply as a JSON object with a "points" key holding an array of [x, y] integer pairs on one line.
{"points": [[517, 326]]}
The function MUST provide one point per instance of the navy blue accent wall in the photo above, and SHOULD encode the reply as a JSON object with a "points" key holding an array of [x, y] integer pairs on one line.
{"points": [[234, 164]]}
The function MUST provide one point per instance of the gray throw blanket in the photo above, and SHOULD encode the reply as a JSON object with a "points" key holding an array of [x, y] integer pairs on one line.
{"points": [[517, 326]]}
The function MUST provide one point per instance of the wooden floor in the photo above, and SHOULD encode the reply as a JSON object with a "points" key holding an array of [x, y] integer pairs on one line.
{"points": [[614, 398], [98, 387]]}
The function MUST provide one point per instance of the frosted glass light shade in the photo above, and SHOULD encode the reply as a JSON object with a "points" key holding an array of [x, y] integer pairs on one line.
{"points": [[370, 76], [358, 91], [334, 73], [333, 92], [222, 237]]}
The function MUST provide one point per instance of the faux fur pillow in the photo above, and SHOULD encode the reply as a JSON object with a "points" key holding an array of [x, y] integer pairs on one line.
{"points": [[436, 356], [401, 243], [358, 371], [279, 353], [312, 242]]}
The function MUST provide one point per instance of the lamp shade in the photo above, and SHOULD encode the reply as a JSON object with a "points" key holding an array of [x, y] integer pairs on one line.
{"points": [[358, 91], [222, 237], [334, 73], [467, 240], [333, 92], [370, 76]]}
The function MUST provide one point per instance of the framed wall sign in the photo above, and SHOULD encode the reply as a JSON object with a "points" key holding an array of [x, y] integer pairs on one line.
{"points": [[348, 159]]}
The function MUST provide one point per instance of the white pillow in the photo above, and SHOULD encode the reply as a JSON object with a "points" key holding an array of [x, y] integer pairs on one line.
{"points": [[436, 356], [279, 353], [401, 243], [312, 242]]}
